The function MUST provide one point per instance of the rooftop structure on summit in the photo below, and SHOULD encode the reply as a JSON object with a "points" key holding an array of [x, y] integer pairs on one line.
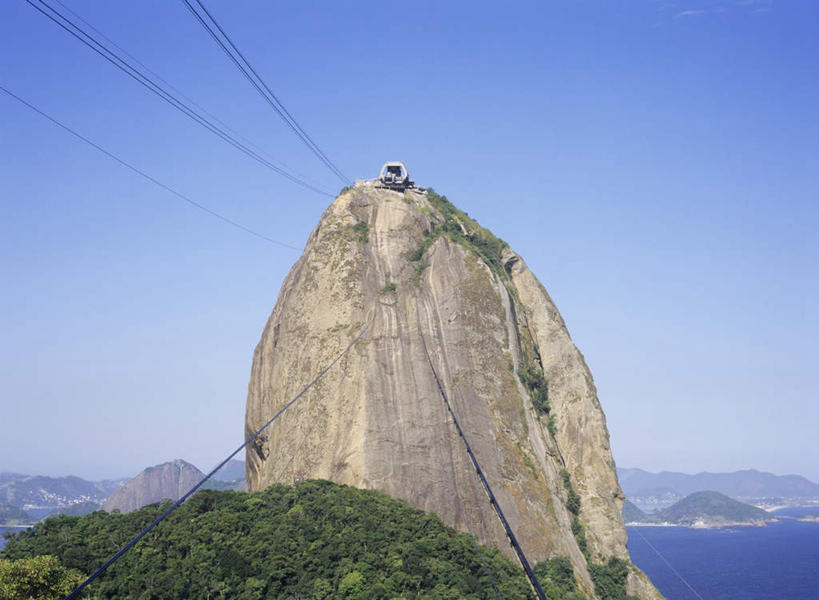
{"points": [[393, 176]]}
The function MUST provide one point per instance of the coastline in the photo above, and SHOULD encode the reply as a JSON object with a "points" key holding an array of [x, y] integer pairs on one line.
{"points": [[808, 519], [700, 524], [748, 563]]}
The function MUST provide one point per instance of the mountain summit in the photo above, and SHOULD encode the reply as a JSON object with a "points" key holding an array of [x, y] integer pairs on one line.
{"points": [[167, 481], [415, 271]]}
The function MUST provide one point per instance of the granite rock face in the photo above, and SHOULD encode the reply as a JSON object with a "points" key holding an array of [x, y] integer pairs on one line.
{"points": [[409, 272], [162, 482]]}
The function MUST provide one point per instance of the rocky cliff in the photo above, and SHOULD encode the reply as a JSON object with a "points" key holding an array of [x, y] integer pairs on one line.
{"points": [[412, 268], [166, 481]]}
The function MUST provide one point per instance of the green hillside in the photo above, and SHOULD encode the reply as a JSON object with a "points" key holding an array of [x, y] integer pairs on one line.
{"points": [[712, 507], [632, 514], [316, 540], [11, 515]]}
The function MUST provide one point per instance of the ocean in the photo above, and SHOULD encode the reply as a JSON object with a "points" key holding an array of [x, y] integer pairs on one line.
{"points": [[751, 563]]}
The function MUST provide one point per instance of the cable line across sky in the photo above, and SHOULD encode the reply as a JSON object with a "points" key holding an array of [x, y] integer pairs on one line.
{"points": [[142, 173], [180, 93], [191, 491], [244, 66], [135, 73]]}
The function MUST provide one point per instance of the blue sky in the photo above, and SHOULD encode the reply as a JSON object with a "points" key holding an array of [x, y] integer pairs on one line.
{"points": [[655, 163]]}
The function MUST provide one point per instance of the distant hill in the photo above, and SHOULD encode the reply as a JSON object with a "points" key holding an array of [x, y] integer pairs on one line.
{"points": [[12, 515], [37, 490], [712, 508], [632, 514], [235, 469], [740, 484], [166, 481], [701, 509], [237, 485], [229, 477], [75, 510]]}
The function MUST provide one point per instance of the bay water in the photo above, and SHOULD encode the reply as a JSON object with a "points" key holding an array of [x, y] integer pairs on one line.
{"points": [[780, 560]]}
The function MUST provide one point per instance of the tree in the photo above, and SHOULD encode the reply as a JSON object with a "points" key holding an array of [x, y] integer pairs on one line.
{"points": [[38, 578]]}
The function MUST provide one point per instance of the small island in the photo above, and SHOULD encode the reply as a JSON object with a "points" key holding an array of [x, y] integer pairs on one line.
{"points": [[701, 510], [809, 519]]}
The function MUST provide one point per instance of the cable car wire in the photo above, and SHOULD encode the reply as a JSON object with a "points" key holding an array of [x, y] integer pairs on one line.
{"points": [[191, 491], [533, 580], [181, 94], [665, 560], [257, 82], [116, 60], [142, 173]]}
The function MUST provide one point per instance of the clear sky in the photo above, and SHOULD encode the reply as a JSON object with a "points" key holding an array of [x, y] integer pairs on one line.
{"points": [[655, 163]]}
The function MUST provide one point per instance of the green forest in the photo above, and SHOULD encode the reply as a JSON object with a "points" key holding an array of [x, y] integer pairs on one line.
{"points": [[314, 540]]}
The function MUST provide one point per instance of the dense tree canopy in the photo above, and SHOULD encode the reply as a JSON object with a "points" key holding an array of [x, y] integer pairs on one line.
{"points": [[38, 578], [315, 540]]}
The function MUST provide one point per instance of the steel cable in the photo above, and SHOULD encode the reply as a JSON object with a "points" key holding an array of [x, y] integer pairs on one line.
{"points": [[179, 195], [191, 491], [98, 47], [530, 574], [257, 82], [181, 94]]}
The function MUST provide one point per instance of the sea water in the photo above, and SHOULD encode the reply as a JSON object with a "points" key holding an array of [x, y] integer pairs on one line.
{"points": [[780, 560]]}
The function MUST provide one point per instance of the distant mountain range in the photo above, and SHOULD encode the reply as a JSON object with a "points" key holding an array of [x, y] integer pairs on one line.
{"points": [[27, 491], [750, 484], [233, 470], [24, 499], [701, 509]]}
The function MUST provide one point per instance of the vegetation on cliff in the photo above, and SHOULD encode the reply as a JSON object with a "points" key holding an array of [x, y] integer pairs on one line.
{"points": [[538, 387], [461, 229], [573, 506], [610, 579], [314, 540]]}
